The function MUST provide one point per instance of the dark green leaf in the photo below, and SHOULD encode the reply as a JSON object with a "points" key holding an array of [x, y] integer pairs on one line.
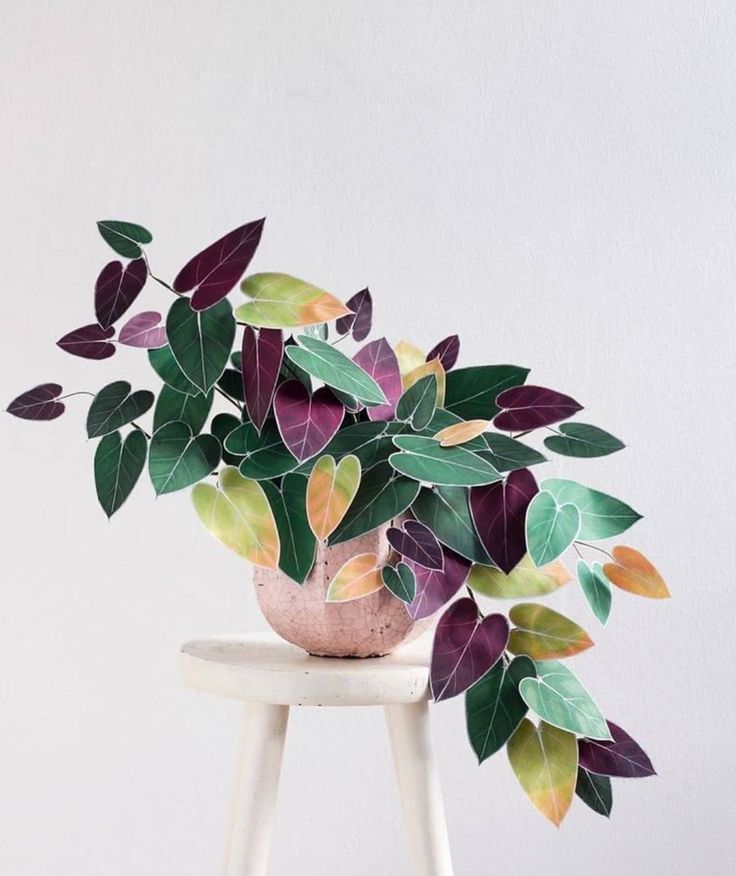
{"points": [[471, 392], [165, 365], [400, 581], [508, 454], [445, 511], [580, 439], [371, 442], [231, 382], [264, 456], [201, 341], [124, 237], [417, 405], [298, 544], [114, 406], [595, 791], [222, 425], [177, 459], [173, 405], [118, 465]]}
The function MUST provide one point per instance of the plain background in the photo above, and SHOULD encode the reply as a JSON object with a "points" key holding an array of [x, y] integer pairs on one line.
{"points": [[555, 182]]}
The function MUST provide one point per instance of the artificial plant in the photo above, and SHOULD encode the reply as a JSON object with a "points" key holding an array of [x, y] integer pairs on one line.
{"points": [[388, 434]]}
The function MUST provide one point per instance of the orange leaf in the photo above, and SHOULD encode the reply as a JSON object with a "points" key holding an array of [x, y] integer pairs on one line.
{"points": [[459, 433], [330, 490], [359, 576], [433, 367], [634, 573]]}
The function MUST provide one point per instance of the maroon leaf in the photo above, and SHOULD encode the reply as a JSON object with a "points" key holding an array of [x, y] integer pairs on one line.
{"points": [[465, 648], [38, 403], [435, 587], [361, 319], [213, 272], [89, 342], [262, 354], [528, 407], [416, 542], [446, 351], [306, 422], [116, 289], [499, 511], [143, 330], [379, 360], [623, 757]]}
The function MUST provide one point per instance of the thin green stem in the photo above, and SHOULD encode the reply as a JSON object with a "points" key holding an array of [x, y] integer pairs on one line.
{"points": [[158, 279], [595, 548], [70, 394]]}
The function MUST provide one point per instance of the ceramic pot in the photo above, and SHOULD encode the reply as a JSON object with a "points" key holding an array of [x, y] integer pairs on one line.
{"points": [[367, 627]]}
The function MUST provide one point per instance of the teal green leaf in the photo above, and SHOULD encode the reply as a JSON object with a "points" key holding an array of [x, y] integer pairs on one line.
{"points": [[382, 495], [114, 406], [508, 454], [320, 330], [595, 791], [400, 581], [445, 511], [417, 405], [324, 362], [597, 589], [424, 459], [165, 365], [124, 237], [471, 392], [550, 527], [494, 708], [118, 465], [580, 439], [201, 341], [265, 455], [601, 516], [371, 441], [298, 544], [558, 698], [177, 459], [172, 405], [222, 425]]}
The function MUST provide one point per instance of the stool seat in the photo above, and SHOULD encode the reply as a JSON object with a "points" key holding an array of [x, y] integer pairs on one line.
{"points": [[263, 668]]}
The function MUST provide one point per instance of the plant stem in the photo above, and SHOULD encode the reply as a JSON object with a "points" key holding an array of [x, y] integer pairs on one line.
{"points": [[230, 399], [140, 429], [593, 547], [158, 279], [70, 394]]}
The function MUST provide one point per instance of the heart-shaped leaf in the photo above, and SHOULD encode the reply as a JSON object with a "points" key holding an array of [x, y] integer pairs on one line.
{"points": [[262, 355], [601, 516], [328, 364], [191, 409], [118, 465], [221, 427], [545, 634], [306, 422], [143, 330], [215, 271], [436, 587], [417, 404], [596, 588], [114, 406], [358, 577], [400, 581], [558, 698], [580, 439], [523, 581], [494, 708], [117, 288], [465, 648], [201, 341], [382, 495], [360, 318], [426, 368], [282, 301], [265, 455], [89, 342], [416, 542], [39, 403], [461, 433], [165, 365], [529, 407], [507, 454], [409, 357], [499, 512], [622, 756], [237, 513], [446, 351], [124, 237], [177, 459], [550, 527], [298, 544], [545, 761], [445, 511], [332, 488], [379, 361], [633, 573], [424, 460], [595, 791], [471, 392]]}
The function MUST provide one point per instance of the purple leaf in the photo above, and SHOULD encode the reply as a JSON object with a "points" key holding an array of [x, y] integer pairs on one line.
{"points": [[38, 403], [213, 272], [143, 330], [361, 318], [446, 351], [417, 542], [465, 648], [623, 757], [262, 354], [116, 289], [499, 511], [89, 342], [379, 360], [435, 587], [306, 422], [528, 407]]}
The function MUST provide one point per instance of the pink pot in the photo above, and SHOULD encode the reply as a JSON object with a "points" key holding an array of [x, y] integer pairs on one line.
{"points": [[368, 627]]}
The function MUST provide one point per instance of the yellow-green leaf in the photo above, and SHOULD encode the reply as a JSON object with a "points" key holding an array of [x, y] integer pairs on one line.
{"points": [[359, 576], [433, 367], [544, 634], [330, 491], [282, 301], [523, 581], [633, 572], [409, 357]]}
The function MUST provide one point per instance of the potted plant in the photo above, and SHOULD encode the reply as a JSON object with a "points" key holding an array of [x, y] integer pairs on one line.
{"points": [[369, 488]]}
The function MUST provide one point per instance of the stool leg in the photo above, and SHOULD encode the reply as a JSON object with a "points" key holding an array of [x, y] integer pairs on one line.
{"points": [[419, 787], [256, 785]]}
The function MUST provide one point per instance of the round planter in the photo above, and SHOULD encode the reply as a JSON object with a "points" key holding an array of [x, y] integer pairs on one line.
{"points": [[367, 627]]}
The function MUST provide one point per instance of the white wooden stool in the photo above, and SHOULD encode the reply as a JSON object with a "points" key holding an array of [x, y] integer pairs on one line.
{"points": [[270, 676]]}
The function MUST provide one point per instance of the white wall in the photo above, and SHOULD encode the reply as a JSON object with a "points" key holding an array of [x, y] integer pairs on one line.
{"points": [[555, 181]]}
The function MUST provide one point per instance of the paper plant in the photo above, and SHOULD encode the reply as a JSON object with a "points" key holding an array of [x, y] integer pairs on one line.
{"points": [[389, 435]]}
